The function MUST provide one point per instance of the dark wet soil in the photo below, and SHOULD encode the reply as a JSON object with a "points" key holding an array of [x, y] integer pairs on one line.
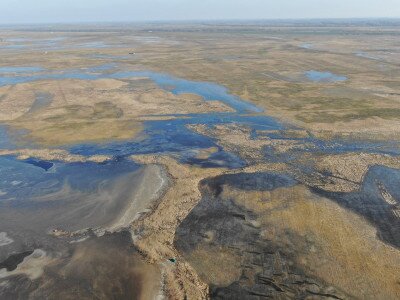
{"points": [[370, 202], [12, 262], [268, 269], [99, 268]]}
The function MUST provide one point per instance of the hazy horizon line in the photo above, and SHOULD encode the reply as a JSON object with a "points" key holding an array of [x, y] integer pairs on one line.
{"points": [[216, 20]]}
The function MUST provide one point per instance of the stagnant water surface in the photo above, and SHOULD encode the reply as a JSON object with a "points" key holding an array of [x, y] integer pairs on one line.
{"points": [[318, 76], [18, 70]]}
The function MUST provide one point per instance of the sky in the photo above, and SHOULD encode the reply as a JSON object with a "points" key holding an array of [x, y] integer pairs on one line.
{"points": [[62, 11]]}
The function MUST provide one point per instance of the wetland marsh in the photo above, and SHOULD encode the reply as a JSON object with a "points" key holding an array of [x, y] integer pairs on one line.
{"points": [[140, 162]]}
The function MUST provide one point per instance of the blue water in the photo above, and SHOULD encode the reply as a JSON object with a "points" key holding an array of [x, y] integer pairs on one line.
{"points": [[366, 55], [307, 46], [96, 45], [102, 68], [112, 57], [318, 76], [18, 40], [91, 73], [171, 135], [20, 179], [18, 70], [209, 91], [45, 165], [11, 47], [314, 145], [5, 141], [174, 136], [28, 44]]}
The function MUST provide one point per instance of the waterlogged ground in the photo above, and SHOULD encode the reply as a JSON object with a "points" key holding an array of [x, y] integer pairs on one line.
{"points": [[121, 182], [324, 76]]}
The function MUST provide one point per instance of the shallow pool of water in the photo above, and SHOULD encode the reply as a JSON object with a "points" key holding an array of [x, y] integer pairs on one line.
{"points": [[307, 46], [18, 70], [318, 76], [366, 55]]}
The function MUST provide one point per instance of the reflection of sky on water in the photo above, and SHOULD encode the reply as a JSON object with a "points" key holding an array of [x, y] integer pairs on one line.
{"points": [[29, 43], [18, 70], [20, 178], [318, 76]]}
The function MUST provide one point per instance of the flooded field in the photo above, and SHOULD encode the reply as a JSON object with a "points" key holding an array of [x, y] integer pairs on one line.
{"points": [[125, 178]]}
